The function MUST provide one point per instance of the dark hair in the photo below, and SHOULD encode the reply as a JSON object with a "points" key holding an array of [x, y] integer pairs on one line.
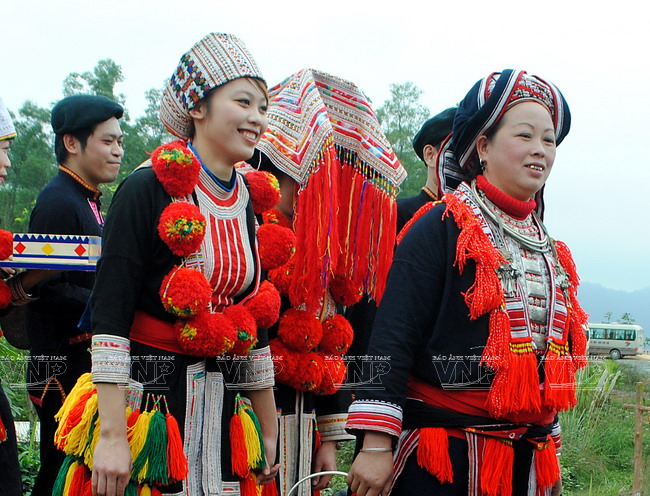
{"points": [[82, 135]]}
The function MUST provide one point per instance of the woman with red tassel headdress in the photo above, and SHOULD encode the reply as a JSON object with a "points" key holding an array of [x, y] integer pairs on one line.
{"points": [[480, 321], [338, 176], [174, 343]]}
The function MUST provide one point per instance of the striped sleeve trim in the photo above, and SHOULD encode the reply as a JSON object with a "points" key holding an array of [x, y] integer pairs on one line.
{"points": [[257, 371], [111, 359], [372, 415], [332, 427]]}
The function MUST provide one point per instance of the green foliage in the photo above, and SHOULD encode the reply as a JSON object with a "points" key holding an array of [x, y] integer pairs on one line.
{"points": [[401, 118], [32, 152]]}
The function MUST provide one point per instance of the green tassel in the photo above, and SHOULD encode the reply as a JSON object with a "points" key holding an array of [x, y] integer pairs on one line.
{"points": [[131, 489], [59, 484], [154, 453]]}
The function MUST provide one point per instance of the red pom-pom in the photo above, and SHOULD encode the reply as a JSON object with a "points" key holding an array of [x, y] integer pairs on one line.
{"points": [[281, 277], [245, 326], [285, 361], [185, 292], [6, 244], [176, 168], [344, 291], [274, 216], [337, 335], [311, 367], [300, 330], [207, 335], [265, 305], [333, 375], [276, 245], [265, 190], [182, 228], [5, 295]]}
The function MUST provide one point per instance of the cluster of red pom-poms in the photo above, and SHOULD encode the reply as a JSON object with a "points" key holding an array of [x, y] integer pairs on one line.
{"points": [[345, 291], [296, 361], [264, 189], [265, 305], [176, 168], [274, 216], [182, 228], [207, 334], [245, 327], [6, 244], [281, 277], [185, 292], [276, 245]]}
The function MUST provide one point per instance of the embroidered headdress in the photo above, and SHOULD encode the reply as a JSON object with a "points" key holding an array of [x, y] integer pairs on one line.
{"points": [[482, 109], [213, 61], [7, 129], [324, 134]]}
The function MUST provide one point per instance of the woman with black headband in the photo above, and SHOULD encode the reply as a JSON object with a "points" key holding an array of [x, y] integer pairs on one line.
{"points": [[480, 317]]}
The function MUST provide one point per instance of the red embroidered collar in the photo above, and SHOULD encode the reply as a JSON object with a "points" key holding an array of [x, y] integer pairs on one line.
{"points": [[511, 206]]}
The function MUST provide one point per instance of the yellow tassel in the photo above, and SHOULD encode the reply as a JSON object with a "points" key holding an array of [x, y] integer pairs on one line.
{"points": [[145, 491], [137, 435], [68, 479], [77, 438], [252, 439], [90, 448], [143, 473], [83, 385]]}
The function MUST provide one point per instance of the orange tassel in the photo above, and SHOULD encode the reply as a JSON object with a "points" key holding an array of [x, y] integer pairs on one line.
{"points": [[247, 486], [176, 461], [423, 210], [79, 479], [560, 384], [497, 349], [433, 453], [546, 464], [270, 489], [238, 451], [496, 469], [516, 387]]}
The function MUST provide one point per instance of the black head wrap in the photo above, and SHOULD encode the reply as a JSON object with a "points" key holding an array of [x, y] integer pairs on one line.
{"points": [[434, 131]]}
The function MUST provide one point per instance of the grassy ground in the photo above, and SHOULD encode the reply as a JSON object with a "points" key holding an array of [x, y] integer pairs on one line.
{"points": [[598, 435]]}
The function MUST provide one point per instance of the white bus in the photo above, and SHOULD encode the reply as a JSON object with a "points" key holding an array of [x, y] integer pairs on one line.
{"points": [[615, 340]]}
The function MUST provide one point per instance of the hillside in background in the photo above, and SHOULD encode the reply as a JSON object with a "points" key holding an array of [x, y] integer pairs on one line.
{"points": [[598, 300]]}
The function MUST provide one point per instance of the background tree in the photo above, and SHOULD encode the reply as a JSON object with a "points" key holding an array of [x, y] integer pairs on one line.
{"points": [[32, 153], [608, 317], [401, 118], [627, 318]]}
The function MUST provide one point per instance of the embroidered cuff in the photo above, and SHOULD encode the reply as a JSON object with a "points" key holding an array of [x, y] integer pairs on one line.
{"points": [[332, 427], [111, 359], [556, 435], [18, 294], [257, 371], [373, 415]]}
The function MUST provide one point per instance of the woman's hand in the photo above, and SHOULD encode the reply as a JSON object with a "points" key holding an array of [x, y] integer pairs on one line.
{"points": [[111, 466], [325, 460], [371, 473], [270, 472]]}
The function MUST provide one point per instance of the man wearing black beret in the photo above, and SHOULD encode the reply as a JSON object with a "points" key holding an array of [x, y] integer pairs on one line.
{"points": [[88, 148], [426, 144]]}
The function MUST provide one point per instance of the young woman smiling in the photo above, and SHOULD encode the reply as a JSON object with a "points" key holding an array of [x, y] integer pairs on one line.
{"points": [[179, 263], [480, 315]]}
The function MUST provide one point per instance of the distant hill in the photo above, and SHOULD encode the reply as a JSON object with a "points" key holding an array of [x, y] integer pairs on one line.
{"points": [[597, 300]]}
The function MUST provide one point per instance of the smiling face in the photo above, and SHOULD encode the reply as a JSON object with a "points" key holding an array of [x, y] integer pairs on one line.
{"points": [[519, 156], [5, 163], [232, 120], [97, 162]]}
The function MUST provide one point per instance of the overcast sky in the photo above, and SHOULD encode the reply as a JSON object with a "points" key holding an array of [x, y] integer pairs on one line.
{"points": [[597, 196]]}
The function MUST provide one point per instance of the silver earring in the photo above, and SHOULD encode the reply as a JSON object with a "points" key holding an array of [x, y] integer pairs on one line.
{"points": [[482, 163]]}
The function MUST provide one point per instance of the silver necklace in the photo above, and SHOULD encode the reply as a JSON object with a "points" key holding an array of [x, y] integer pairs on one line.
{"points": [[539, 245]]}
